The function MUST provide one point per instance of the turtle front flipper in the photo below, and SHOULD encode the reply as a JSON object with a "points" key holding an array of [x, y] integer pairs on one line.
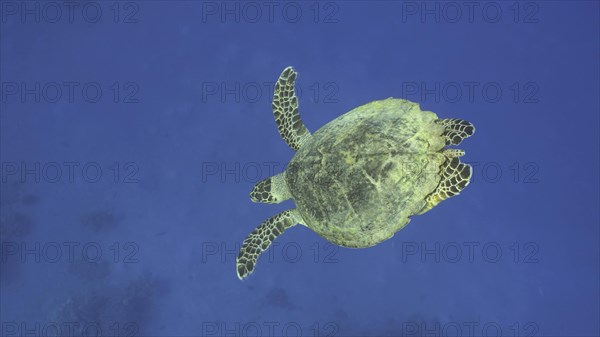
{"points": [[455, 130], [455, 176], [261, 238], [285, 109], [272, 190]]}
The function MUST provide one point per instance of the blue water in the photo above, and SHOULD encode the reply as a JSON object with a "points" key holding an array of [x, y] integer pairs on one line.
{"points": [[132, 133]]}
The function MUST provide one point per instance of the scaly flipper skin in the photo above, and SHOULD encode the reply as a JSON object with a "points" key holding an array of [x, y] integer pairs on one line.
{"points": [[455, 176], [456, 130], [261, 238], [285, 109], [272, 190]]}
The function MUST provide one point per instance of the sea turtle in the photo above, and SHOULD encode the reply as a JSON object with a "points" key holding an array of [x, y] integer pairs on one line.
{"points": [[359, 178]]}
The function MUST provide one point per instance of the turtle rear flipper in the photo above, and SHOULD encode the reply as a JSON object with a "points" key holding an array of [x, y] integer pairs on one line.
{"points": [[455, 130], [285, 109], [455, 176], [261, 238]]}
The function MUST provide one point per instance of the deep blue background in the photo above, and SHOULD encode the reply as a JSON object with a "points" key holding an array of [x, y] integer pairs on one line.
{"points": [[192, 154]]}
